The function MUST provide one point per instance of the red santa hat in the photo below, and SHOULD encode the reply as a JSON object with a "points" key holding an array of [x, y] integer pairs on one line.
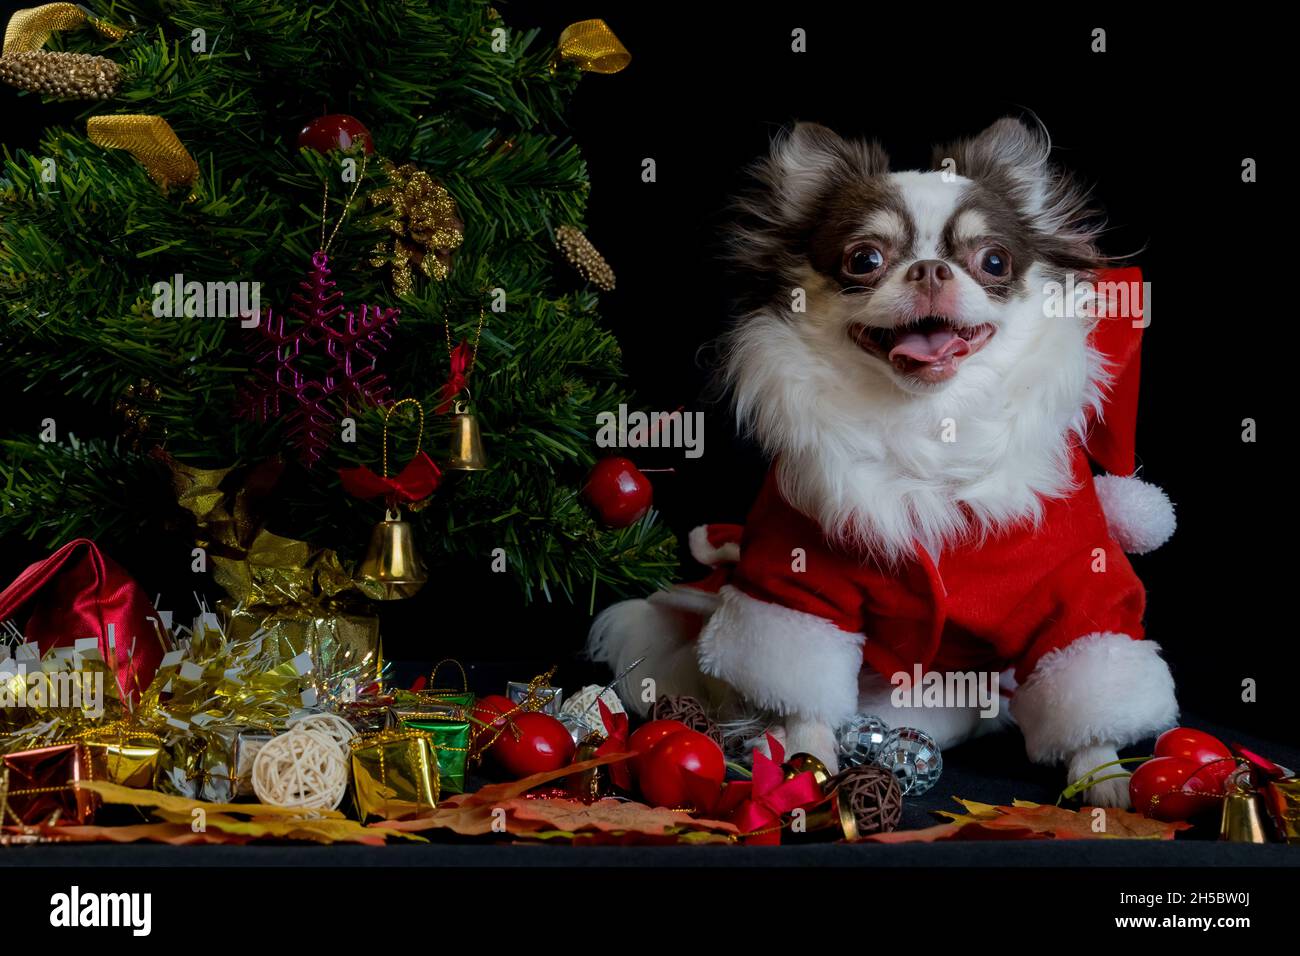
{"points": [[1139, 514], [1121, 317]]}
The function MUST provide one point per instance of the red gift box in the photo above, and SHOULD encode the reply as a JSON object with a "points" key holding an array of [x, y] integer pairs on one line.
{"points": [[43, 782]]}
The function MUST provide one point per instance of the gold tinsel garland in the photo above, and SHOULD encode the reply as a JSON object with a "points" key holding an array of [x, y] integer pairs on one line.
{"points": [[82, 76], [424, 221], [582, 255]]}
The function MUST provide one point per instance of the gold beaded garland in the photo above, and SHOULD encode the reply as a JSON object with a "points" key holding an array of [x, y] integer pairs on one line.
{"points": [[80, 76], [582, 255]]}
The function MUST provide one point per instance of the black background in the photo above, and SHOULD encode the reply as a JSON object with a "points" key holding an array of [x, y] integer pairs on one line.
{"points": [[1159, 123]]}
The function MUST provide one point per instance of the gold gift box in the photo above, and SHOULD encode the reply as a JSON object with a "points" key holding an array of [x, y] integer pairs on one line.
{"points": [[394, 774], [1282, 797], [129, 758]]}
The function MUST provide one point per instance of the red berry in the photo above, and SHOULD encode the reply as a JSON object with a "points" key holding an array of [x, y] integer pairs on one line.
{"points": [[618, 492]]}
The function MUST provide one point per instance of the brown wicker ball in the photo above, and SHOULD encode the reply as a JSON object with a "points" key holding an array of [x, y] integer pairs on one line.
{"points": [[873, 795], [690, 712]]}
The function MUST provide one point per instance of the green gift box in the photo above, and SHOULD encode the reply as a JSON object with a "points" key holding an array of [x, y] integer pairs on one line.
{"points": [[438, 697], [450, 732]]}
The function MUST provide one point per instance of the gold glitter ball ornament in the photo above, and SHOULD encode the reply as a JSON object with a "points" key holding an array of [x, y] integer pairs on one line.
{"points": [[582, 255], [424, 221], [73, 76]]}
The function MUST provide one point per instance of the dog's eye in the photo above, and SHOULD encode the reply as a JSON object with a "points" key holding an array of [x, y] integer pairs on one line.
{"points": [[995, 262], [862, 260]]}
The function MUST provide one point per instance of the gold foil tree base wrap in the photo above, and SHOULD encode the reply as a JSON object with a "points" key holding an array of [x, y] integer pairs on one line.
{"points": [[299, 597]]}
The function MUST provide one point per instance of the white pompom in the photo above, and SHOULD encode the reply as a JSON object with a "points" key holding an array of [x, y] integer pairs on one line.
{"points": [[1140, 515]]}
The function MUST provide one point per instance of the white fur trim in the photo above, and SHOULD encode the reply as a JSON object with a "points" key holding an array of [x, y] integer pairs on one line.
{"points": [[1139, 514], [661, 629], [782, 660], [707, 554], [1102, 689]]}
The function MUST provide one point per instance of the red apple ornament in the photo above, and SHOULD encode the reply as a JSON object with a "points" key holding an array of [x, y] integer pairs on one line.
{"points": [[543, 744], [1193, 744], [335, 131], [663, 777], [647, 736], [490, 710], [1159, 789], [618, 491]]}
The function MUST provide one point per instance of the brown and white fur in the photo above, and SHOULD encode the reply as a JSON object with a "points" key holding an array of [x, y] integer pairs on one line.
{"points": [[923, 301]]}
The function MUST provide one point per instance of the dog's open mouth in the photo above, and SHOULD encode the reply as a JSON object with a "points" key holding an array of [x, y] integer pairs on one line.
{"points": [[929, 349]]}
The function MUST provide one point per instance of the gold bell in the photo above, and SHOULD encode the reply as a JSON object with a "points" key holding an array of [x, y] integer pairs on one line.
{"points": [[466, 442], [392, 568], [831, 818], [1242, 821], [806, 763]]}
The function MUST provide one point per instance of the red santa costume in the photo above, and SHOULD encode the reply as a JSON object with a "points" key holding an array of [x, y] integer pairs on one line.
{"points": [[1054, 603]]}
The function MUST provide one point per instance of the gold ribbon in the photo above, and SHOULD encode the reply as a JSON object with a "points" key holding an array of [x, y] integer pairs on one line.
{"points": [[29, 30], [150, 140], [592, 47]]}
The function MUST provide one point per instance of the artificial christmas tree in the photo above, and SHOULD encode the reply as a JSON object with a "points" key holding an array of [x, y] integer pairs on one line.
{"points": [[165, 270]]}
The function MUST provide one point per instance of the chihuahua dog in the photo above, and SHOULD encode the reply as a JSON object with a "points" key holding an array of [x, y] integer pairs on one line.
{"points": [[931, 507]]}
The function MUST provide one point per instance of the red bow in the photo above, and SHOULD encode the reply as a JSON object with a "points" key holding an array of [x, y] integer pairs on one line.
{"points": [[461, 356], [615, 743], [415, 482], [770, 796]]}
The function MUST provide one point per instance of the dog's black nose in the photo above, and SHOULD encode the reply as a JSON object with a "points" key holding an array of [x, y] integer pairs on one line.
{"points": [[929, 272]]}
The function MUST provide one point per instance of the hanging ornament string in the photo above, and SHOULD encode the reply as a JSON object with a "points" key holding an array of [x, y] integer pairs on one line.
{"points": [[461, 358], [324, 211], [415, 482], [419, 435]]}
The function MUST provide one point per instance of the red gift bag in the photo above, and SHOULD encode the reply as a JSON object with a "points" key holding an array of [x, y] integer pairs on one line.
{"points": [[78, 592]]}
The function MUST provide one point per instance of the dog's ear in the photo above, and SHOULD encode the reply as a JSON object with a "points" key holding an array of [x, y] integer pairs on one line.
{"points": [[1014, 160], [808, 158]]}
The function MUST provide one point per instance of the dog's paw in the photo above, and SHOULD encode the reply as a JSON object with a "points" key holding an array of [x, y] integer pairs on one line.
{"points": [[804, 736], [1104, 793], [1109, 793]]}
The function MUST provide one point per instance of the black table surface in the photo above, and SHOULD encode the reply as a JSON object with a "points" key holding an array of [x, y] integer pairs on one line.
{"points": [[989, 770]]}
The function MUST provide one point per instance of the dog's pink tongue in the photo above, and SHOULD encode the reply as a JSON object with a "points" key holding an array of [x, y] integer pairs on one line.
{"points": [[927, 348]]}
